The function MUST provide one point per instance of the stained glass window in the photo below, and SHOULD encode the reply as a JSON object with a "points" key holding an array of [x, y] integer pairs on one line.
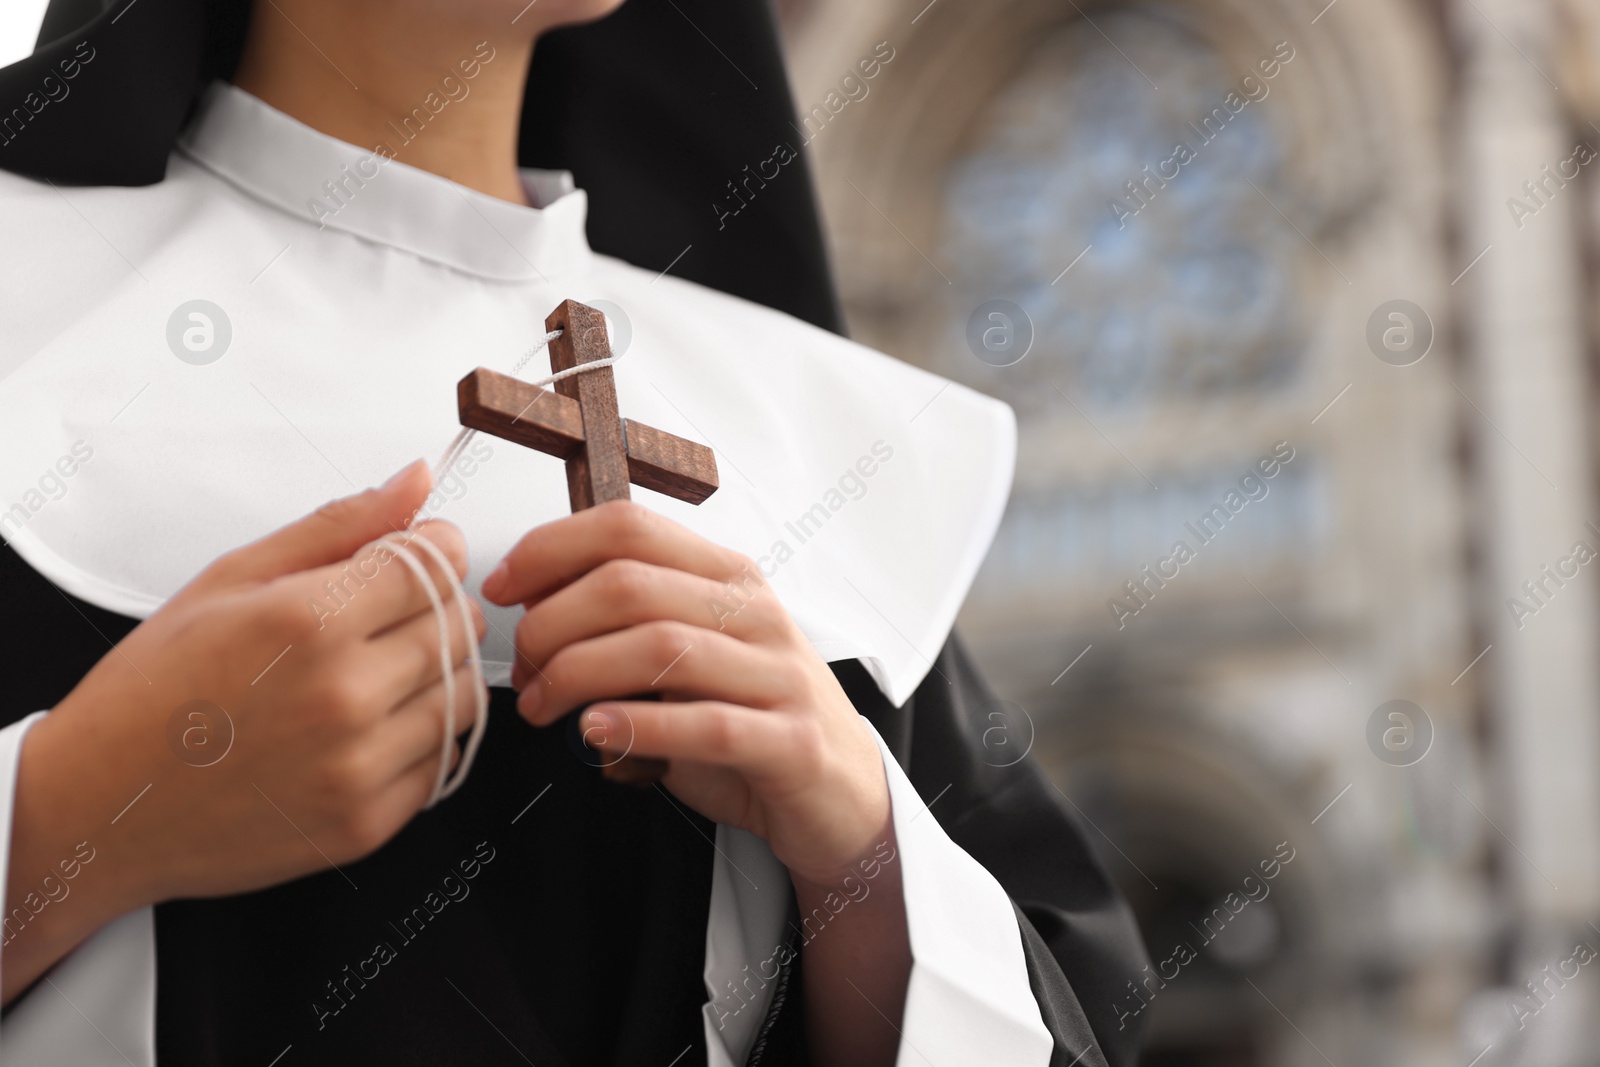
{"points": [[1190, 282]]}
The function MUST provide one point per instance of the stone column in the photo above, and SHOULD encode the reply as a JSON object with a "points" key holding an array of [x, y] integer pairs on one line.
{"points": [[1523, 309]]}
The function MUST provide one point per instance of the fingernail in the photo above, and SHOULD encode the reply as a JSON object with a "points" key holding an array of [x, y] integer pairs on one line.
{"points": [[495, 583], [400, 475], [597, 726], [529, 700]]}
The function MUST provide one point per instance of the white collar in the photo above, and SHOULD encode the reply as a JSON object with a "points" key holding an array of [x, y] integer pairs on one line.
{"points": [[269, 155], [348, 340]]}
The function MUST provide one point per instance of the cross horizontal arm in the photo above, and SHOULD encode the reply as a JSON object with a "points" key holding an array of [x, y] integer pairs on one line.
{"points": [[669, 464], [509, 408]]}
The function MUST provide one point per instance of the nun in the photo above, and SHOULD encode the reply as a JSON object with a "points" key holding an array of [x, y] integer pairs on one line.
{"points": [[673, 784]]}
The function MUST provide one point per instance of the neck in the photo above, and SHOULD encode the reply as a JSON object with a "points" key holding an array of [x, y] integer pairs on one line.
{"points": [[448, 100]]}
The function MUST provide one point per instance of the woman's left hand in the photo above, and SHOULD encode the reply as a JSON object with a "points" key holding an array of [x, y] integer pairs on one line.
{"points": [[755, 728]]}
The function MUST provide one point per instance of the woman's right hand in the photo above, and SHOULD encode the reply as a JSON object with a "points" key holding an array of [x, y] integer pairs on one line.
{"points": [[324, 726]]}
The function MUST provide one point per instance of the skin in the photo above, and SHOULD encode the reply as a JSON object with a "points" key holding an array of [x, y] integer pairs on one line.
{"points": [[337, 745], [352, 67]]}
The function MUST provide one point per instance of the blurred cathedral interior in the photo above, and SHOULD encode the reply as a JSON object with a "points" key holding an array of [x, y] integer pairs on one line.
{"points": [[1349, 243]]}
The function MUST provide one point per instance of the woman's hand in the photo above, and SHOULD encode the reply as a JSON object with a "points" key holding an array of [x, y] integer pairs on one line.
{"points": [[754, 726], [282, 713], [756, 731]]}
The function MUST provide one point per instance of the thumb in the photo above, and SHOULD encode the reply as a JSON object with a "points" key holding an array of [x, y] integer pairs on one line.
{"points": [[334, 532]]}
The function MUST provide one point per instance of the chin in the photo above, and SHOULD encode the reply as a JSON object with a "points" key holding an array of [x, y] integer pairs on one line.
{"points": [[549, 13]]}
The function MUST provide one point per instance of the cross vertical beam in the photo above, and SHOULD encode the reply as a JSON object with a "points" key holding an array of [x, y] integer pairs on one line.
{"points": [[599, 471]]}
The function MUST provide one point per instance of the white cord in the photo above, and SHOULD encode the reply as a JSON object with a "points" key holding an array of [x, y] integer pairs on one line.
{"points": [[400, 544], [475, 662]]}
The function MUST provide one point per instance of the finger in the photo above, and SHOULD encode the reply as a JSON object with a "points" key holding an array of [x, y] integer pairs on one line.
{"points": [[702, 731], [415, 732], [636, 770], [408, 794], [666, 657], [550, 556], [625, 592], [406, 655], [331, 533], [376, 588]]}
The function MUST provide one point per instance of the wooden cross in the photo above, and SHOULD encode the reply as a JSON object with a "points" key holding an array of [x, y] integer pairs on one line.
{"points": [[579, 422]]}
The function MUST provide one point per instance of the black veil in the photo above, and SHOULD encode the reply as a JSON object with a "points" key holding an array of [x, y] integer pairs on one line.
{"points": [[655, 110]]}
